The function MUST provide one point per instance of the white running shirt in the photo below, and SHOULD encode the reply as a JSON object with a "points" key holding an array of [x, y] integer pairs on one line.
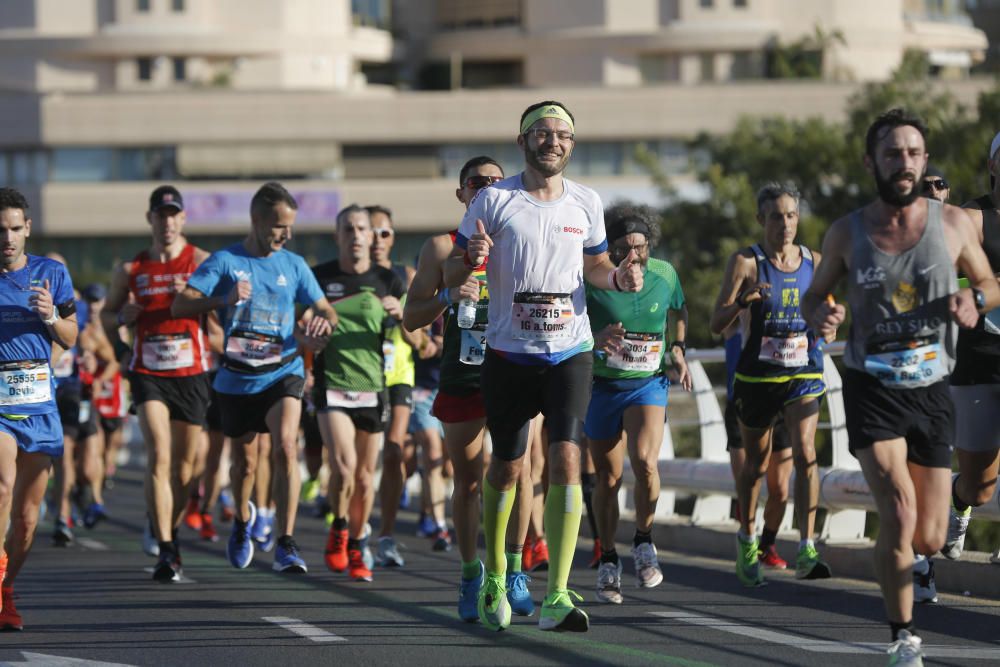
{"points": [[538, 304]]}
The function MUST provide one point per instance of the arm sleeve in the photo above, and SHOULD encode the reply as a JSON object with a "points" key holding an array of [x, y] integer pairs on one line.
{"points": [[208, 275]]}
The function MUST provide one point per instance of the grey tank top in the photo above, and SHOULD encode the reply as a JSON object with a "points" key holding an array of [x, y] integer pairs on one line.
{"points": [[901, 331]]}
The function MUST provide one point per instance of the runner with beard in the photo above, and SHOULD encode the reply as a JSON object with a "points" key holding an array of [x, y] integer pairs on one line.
{"points": [[899, 255]]}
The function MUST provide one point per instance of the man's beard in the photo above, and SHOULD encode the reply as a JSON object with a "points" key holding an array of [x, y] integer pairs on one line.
{"points": [[888, 193], [546, 169]]}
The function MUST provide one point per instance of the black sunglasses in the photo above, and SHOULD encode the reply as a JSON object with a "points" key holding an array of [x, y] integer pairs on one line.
{"points": [[935, 184]]}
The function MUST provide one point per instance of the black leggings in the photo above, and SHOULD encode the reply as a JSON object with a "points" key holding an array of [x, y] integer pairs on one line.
{"points": [[514, 393]]}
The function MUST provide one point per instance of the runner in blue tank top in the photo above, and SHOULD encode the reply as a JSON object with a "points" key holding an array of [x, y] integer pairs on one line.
{"points": [[38, 313], [780, 370]]}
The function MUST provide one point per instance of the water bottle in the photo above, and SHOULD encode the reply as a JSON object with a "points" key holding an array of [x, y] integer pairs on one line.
{"points": [[466, 313]]}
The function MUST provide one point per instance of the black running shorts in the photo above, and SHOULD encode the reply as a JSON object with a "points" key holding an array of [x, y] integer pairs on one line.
{"points": [[185, 397], [247, 413]]}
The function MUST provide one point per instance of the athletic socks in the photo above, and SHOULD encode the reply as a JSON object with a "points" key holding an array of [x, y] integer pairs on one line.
{"points": [[470, 570], [955, 500], [642, 538], [497, 506], [610, 556], [563, 511], [896, 627], [340, 523], [513, 560], [767, 538]]}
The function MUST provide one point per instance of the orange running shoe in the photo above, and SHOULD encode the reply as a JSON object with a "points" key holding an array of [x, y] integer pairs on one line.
{"points": [[769, 558], [539, 556], [336, 550], [3, 575], [526, 560], [595, 561], [192, 517], [357, 569], [208, 532], [9, 618]]}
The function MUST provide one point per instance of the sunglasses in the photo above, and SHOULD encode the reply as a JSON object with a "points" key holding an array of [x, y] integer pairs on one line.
{"points": [[480, 182], [383, 232], [935, 184]]}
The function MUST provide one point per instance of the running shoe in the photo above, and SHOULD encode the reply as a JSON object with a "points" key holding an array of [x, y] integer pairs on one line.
{"points": [[3, 573], [468, 596], [262, 527], [310, 491], [168, 567], [747, 563], [228, 510], [207, 531], [192, 517], [647, 567], [93, 515], [239, 549], [595, 559], [62, 536], [518, 595], [493, 607], [526, 560], [924, 588], [958, 525], [366, 551], [905, 651], [356, 567], [388, 553], [809, 566], [321, 508], [443, 540], [150, 545], [995, 557], [404, 498], [539, 556], [335, 554], [559, 614], [10, 619], [426, 526], [770, 559], [609, 583], [287, 558]]}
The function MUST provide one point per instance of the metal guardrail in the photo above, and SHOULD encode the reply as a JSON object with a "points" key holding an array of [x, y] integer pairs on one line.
{"points": [[844, 492]]}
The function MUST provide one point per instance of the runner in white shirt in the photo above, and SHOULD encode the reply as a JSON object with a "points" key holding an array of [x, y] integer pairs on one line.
{"points": [[543, 235]]}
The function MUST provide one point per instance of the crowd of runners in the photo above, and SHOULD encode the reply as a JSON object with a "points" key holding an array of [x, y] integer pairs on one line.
{"points": [[529, 350]]}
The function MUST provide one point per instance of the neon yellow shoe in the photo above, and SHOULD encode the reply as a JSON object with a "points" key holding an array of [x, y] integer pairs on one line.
{"points": [[559, 614], [494, 610], [310, 491], [748, 563], [809, 566]]}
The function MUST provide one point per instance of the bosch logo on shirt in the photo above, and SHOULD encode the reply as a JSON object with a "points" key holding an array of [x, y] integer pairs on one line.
{"points": [[572, 230]]}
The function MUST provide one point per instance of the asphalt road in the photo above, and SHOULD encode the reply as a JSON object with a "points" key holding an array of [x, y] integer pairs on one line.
{"points": [[96, 602]]}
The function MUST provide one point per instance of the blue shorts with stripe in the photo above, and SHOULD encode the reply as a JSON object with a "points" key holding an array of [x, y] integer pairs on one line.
{"points": [[610, 398], [41, 434], [758, 402]]}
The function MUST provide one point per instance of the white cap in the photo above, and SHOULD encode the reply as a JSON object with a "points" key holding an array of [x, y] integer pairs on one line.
{"points": [[994, 145]]}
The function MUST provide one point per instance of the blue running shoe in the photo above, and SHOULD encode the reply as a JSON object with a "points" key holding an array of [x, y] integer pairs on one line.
{"points": [[287, 559], [426, 527], [468, 597], [239, 549], [93, 515], [261, 527], [404, 498], [518, 595]]}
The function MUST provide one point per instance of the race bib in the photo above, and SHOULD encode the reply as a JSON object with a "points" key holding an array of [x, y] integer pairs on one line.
{"points": [[789, 352], [336, 398], [64, 367], [544, 317], [254, 349], [639, 352], [167, 352], [905, 365], [473, 349], [25, 383]]}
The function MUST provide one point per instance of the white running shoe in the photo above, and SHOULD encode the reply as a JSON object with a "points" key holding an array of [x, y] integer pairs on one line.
{"points": [[958, 525], [905, 651], [609, 583], [647, 568]]}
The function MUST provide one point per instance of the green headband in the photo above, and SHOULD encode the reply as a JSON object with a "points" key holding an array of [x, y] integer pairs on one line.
{"points": [[547, 111]]}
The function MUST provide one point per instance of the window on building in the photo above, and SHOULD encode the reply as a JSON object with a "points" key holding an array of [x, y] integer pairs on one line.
{"points": [[82, 164], [142, 5], [372, 13], [706, 4], [747, 65], [492, 74], [659, 67], [178, 5], [462, 14], [706, 65], [145, 66], [670, 11], [28, 167], [180, 69], [740, 3]]}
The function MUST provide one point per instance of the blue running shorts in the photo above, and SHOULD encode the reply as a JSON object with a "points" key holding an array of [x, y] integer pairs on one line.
{"points": [[610, 398], [36, 433]]}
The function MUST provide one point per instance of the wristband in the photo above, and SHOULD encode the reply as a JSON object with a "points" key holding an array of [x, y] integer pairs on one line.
{"points": [[679, 344], [614, 279], [739, 300], [443, 297], [52, 320]]}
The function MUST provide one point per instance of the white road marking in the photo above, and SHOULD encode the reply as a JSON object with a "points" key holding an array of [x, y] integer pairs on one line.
{"points": [[43, 659], [820, 645], [91, 545], [304, 629]]}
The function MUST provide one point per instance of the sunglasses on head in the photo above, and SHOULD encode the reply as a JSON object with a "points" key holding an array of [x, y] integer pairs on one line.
{"points": [[480, 182], [383, 232], [935, 184]]}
